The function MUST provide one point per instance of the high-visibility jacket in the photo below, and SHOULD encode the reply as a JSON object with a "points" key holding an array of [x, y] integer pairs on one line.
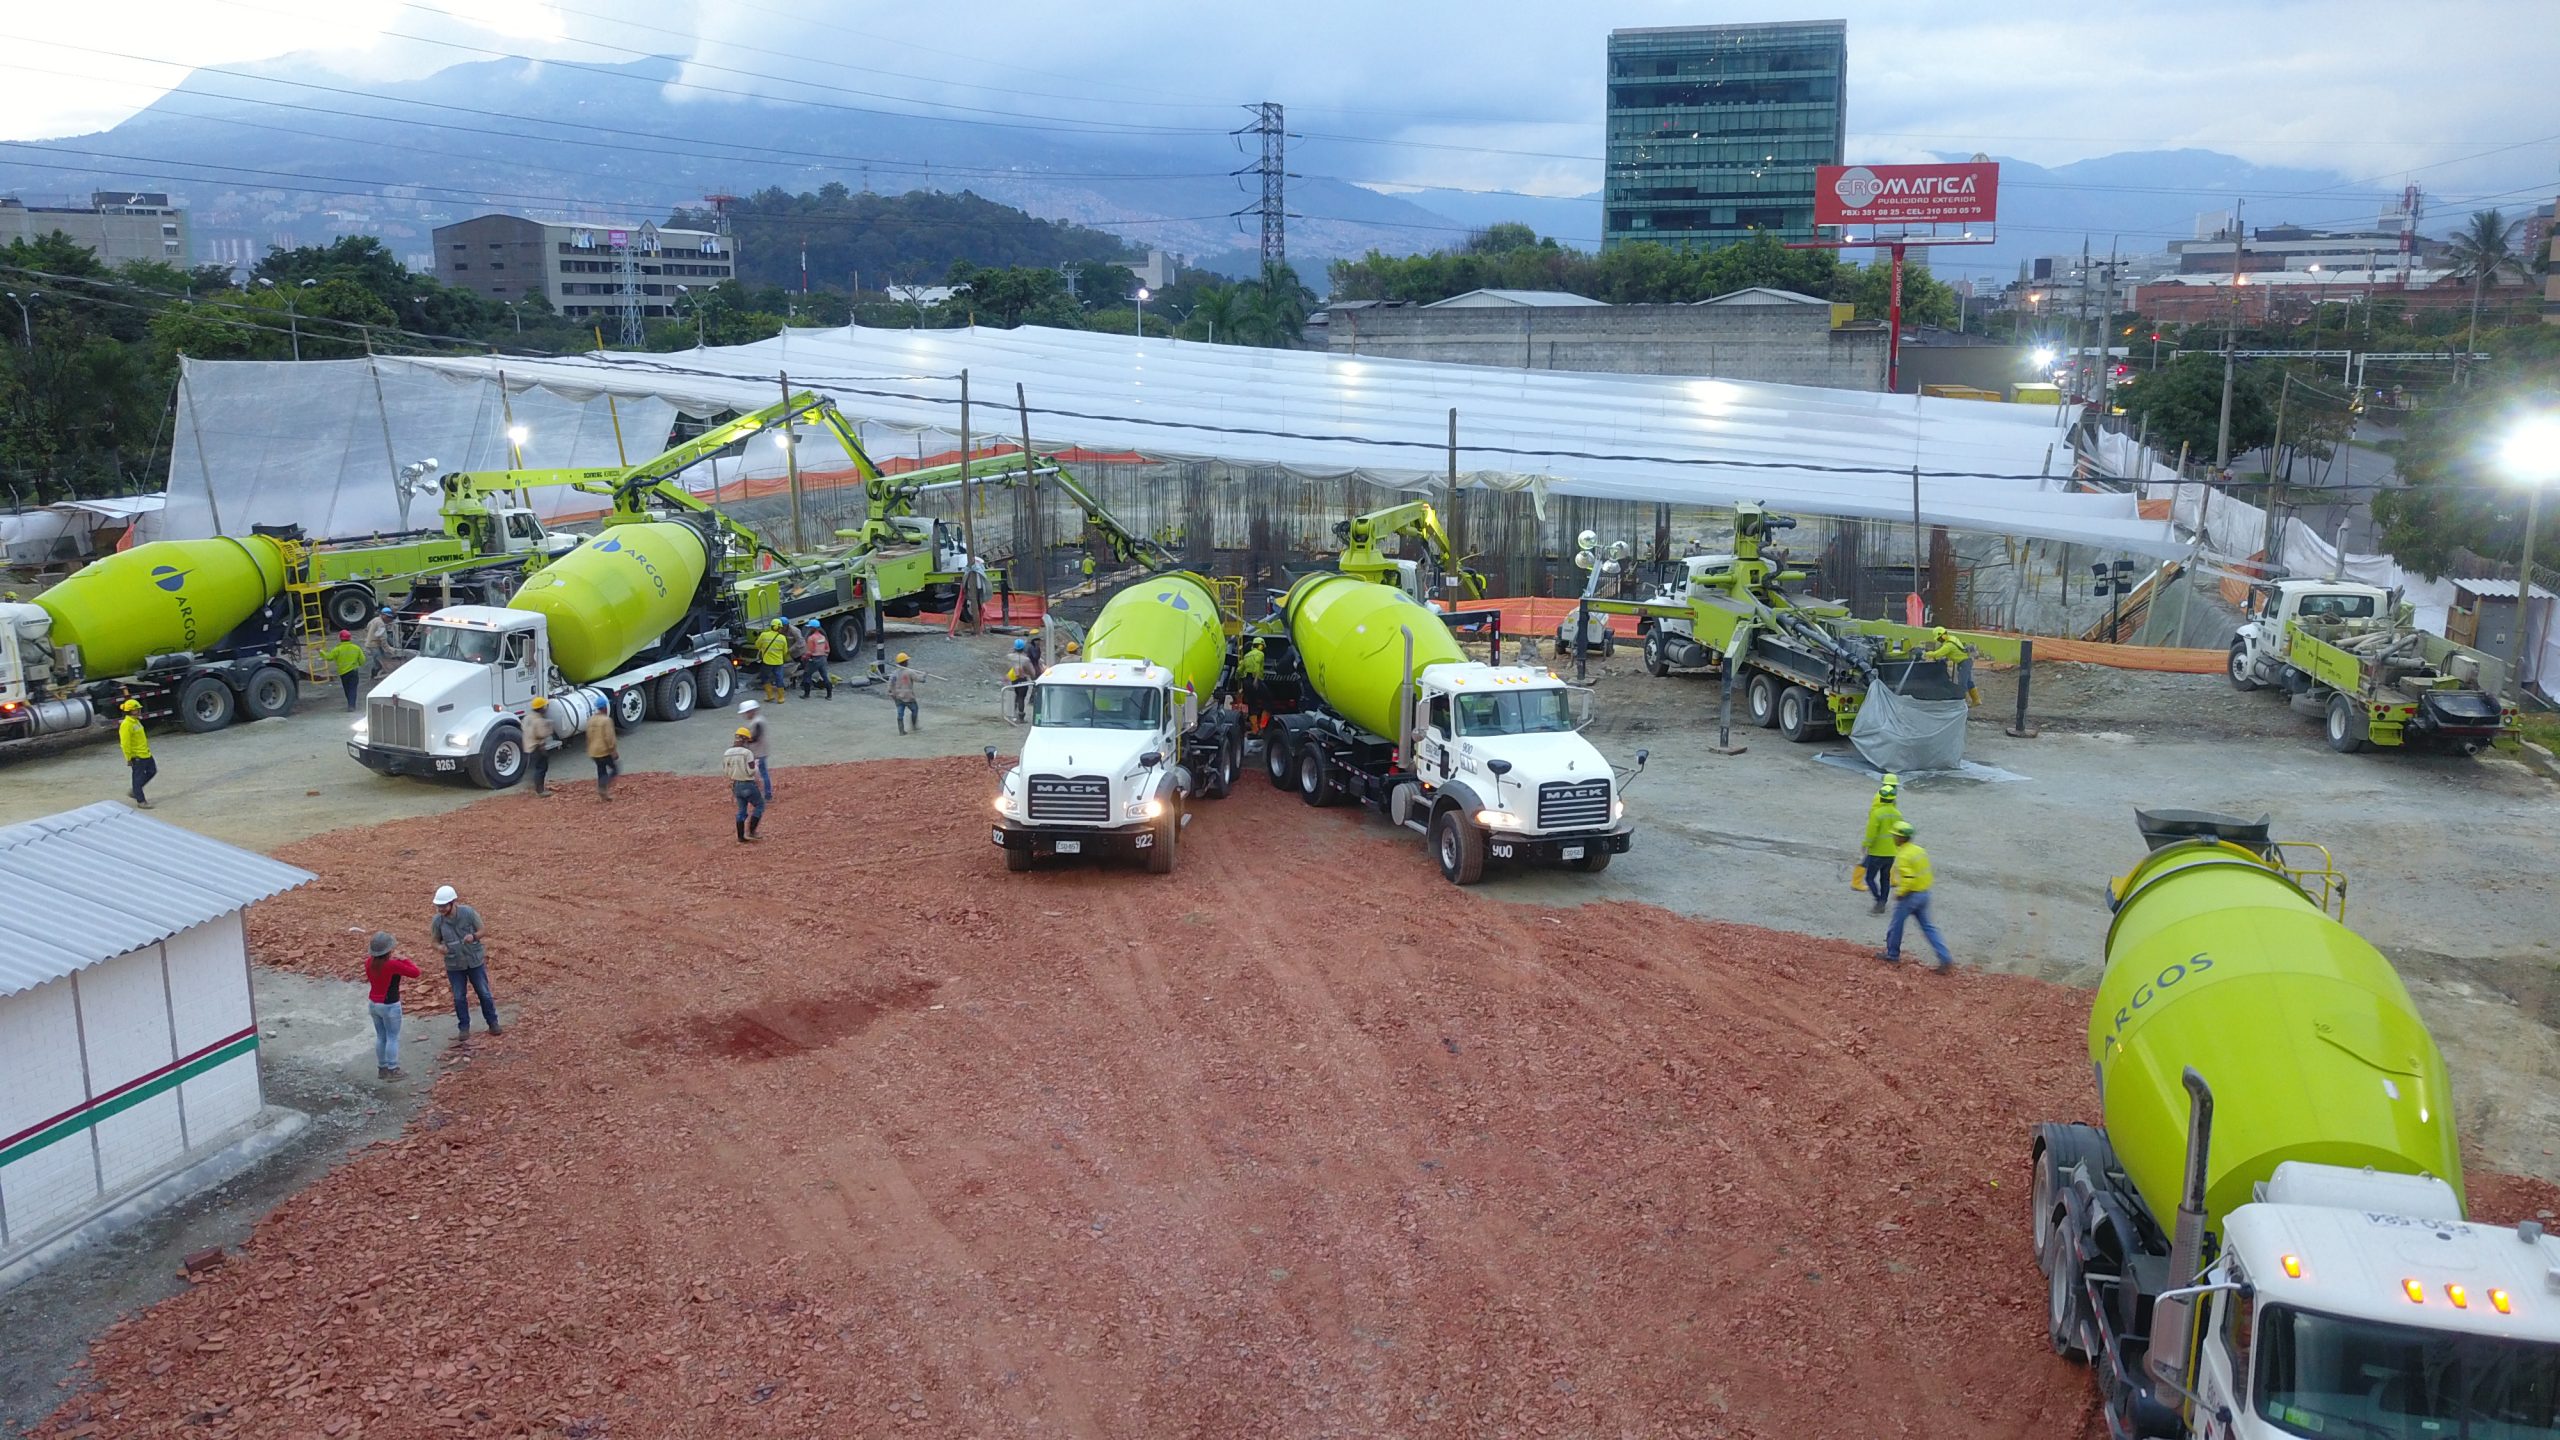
{"points": [[1911, 872], [137, 745], [1882, 816], [1250, 667], [772, 646], [1950, 648]]}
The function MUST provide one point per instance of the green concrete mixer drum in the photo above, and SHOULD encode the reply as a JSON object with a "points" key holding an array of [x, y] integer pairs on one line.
{"points": [[614, 596], [162, 598], [1168, 620], [1350, 638], [2314, 1051]]}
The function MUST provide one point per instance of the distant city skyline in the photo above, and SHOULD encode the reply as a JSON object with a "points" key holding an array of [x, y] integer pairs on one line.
{"points": [[1512, 98]]}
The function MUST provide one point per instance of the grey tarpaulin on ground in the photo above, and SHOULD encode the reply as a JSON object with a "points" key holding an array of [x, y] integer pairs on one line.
{"points": [[1895, 732]]}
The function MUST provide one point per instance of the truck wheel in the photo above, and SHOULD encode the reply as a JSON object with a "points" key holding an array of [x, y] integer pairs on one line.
{"points": [[1654, 664], [715, 684], [2240, 677], [1160, 854], [500, 763], [271, 691], [844, 637], [1459, 847], [630, 707], [348, 607], [1760, 695], [2346, 727], [1797, 708], [204, 704], [1315, 777], [673, 696], [1593, 861], [1017, 859], [1277, 762]]}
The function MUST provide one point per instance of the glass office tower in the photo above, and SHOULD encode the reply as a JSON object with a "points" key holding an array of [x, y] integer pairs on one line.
{"points": [[1714, 130]]}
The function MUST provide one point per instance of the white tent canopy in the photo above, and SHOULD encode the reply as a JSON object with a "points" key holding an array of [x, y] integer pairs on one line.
{"points": [[1679, 440]]}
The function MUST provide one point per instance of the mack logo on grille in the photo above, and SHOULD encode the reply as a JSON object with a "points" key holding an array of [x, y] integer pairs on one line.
{"points": [[1568, 805], [1084, 798]]}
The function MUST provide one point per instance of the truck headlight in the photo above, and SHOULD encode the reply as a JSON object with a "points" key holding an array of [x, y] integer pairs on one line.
{"points": [[456, 739], [1497, 820], [1617, 809], [361, 728], [1147, 809], [1001, 805]]}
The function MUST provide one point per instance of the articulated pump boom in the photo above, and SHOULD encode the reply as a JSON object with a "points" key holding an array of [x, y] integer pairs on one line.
{"points": [[1363, 560], [2266, 1237]]}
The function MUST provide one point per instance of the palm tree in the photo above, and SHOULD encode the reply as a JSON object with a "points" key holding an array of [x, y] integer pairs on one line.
{"points": [[2481, 250], [1222, 308]]}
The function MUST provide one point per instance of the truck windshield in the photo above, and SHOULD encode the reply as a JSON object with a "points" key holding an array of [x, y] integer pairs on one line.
{"points": [[446, 642], [1094, 707], [1514, 712], [2325, 1376]]}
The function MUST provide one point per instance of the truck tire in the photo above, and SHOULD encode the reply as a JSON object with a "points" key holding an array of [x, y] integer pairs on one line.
{"points": [[1160, 855], [1315, 777], [271, 691], [1593, 861], [630, 707], [500, 763], [715, 684], [2241, 679], [348, 607], [1017, 858], [1760, 697], [1277, 762], [1218, 775], [2064, 1297], [1654, 663], [672, 698], [2346, 727], [845, 636], [1458, 846], [205, 704], [1797, 709]]}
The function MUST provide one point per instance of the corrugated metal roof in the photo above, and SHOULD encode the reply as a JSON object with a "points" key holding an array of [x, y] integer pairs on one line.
{"points": [[90, 884], [1490, 297], [2498, 589]]}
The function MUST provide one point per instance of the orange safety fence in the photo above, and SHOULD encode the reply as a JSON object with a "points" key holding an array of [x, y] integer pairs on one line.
{"points": [[2167, 659]]}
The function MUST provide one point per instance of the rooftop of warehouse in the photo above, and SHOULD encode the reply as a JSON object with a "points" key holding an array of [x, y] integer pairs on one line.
{"points": [[90, 884]]}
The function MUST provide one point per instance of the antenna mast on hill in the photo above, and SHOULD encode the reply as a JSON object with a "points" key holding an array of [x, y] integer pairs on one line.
{"points": [[1274, 171]]}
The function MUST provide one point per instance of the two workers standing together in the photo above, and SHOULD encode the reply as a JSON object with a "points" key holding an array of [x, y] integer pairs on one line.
{"points": [[1897, 873]]}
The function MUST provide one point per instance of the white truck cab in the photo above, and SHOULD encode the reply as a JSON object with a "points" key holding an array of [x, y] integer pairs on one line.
{"points": [[2258, 646], [1101, 770], [457, 708], [2357, 1303], [1501, 771]]}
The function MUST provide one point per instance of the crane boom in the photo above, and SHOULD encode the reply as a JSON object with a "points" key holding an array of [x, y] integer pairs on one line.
{"points": [[1362, 558]]}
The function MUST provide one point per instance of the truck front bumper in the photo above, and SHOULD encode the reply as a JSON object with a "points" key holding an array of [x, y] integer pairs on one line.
{"points": [[1556, 849], [1073, 839], [384, 760]]}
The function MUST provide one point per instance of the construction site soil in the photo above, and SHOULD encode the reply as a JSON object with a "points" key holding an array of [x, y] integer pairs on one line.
{"points": [[852, 1133]]}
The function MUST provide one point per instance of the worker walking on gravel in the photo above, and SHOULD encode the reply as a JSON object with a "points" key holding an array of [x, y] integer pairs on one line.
{"points": [[466, 961], [1882, 815], [347, 657], [902, 694], [539, 737], [383, 972], [759, 743], [1912, 882], [773, 650], [136, 742], [739, 763], [813, 661], [605, 748]]}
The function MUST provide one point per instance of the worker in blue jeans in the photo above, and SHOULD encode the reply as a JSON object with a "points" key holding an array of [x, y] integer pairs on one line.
{"points": [[1912, 882]]}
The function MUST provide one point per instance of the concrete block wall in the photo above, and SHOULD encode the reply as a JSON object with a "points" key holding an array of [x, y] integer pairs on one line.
{"points": [[1780, 344], [121, 1073]]}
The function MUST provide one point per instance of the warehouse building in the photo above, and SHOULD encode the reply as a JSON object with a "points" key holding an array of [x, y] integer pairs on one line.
{"points": [[117, 226], [128, 1034], [585, 271]]}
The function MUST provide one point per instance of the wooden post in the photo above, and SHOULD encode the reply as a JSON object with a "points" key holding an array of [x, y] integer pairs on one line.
{"points": [[968, 526], [1039, 520], [791, 462], [1457, 556]]}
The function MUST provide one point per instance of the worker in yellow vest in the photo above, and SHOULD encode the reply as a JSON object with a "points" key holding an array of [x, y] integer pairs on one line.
{"points": [[1913, 880], [773, 651], [1882, 815], [137, 751]]}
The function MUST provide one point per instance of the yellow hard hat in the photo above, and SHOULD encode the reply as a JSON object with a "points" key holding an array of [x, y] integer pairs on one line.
{"points": [[902, 657], [1073, 647], [1940, 632], [131, 707], [745, 734], [541, 703]]}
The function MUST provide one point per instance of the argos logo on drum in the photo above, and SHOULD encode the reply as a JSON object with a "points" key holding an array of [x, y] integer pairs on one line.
{"points": [[648, 566], [2151, 990]]}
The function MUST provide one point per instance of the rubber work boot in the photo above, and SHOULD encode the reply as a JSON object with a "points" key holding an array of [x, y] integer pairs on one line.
{"points": [[753, 824], [1878, 910], [742, 832]]}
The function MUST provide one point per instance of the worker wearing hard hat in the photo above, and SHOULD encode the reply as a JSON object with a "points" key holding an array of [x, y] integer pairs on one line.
{"points": [[137, 750], [814, 653], [347, 658], [773, 651], [1883, 813], [759, 743], [539, 736], [1957, 656], [456, 929], [1913, 881], [902, 694], [740, 763]]}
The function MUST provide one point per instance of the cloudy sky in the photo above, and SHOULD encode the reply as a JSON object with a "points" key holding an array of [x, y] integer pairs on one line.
{"points": [[1489, 94]]}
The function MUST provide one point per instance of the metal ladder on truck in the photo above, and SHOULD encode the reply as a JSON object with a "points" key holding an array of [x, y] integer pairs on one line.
{"points": [[309, 620]]}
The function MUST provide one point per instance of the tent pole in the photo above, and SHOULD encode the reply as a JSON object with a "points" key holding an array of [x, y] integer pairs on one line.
{"points": [[195, 425]]}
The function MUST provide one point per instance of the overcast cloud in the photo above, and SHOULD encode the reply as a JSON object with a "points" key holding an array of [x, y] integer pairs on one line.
{"points": [[1514, 87]]}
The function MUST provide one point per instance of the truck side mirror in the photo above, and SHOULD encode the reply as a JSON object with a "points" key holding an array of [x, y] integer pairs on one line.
{"points": [[1498, 767], [1151, 759]]}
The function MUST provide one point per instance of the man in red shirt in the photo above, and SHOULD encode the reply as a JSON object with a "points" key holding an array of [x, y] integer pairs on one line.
{"points": [[383, 971]]}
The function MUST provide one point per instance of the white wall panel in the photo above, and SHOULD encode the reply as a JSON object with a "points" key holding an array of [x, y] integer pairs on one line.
{"points": [[209, 982], [124, 1015]]}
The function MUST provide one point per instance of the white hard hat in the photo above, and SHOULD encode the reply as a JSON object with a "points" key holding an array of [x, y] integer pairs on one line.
{"points": [[445, 895], [748, 707]]}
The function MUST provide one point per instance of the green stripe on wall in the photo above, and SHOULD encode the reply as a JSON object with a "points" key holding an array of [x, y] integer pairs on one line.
{"points": [[75, 1124]]}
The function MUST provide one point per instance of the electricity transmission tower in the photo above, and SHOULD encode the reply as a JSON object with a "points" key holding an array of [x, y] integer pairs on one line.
{"points": [[1274, 171]]}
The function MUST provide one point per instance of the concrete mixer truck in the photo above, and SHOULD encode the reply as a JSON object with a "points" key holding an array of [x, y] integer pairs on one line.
{"points": [[1126, 735], [2266, 1237], [190, 628], [1375, 702]]}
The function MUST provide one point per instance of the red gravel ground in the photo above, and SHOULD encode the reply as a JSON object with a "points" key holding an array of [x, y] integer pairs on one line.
{"points": [[853, 1133]]}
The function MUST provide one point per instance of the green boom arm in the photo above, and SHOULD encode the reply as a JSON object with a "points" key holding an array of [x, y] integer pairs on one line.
{"points": [[1361, 557]]}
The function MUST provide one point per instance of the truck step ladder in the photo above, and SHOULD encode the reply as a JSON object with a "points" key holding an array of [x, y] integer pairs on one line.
{"points": [[309, 619]]}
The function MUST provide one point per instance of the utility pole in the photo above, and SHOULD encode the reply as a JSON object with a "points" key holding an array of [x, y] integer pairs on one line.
{"points": [[2230, 361], [2080, 324], [1273, 170]]}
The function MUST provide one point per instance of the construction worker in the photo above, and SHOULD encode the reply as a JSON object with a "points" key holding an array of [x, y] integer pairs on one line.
{"points": [[1019, 679], [466, 961], [1957, 656], [539, 737], [348, 658], [137, 750], [902, 693], [1882, 815], [759, 744], [1912, 883], [1087, 568], [740, 763], [381, 642], [605, 748], [813, 660], [1257, 699], [773, 649], [383, 972]]}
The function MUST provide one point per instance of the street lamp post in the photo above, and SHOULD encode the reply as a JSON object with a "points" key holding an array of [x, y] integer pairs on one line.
{"points": [[1142, 312], [26, 321], [2533, 453]]}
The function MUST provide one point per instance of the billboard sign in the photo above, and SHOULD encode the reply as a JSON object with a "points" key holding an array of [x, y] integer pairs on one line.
{"points": [[1965, 193]]}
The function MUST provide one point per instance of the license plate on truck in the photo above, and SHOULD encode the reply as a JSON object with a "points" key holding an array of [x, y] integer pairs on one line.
{"points": [[1070, 847], [444, 764], [1571, 852]]}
